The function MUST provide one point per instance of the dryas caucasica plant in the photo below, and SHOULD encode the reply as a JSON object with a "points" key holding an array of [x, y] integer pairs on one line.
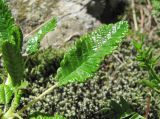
{"points": [[78, 64]]}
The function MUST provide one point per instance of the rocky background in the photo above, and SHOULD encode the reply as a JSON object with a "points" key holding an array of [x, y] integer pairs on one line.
{"points": [[75, 17], [118, 74]]}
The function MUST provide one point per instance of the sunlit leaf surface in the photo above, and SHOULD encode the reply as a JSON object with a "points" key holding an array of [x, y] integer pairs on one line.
{"points": [[83, 60], [43, 116], [5, 94], [34, 41]]}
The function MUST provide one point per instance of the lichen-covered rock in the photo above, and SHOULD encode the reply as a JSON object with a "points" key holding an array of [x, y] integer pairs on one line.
{"points": [[66, 31], [74, 17]]}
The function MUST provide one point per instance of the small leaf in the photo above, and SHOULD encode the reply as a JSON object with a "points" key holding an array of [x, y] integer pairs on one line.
{"points": [[125, 105], [137, 116], [18, 37], [155, 59], [34, 42], [84, 59], [7, 22], [6, 94], [16, 101], [137, 45], [13, 62], [45, 116], [153, 84], [148, 83], [9, 31], [116, 107], [23, 85], [126, 115]]}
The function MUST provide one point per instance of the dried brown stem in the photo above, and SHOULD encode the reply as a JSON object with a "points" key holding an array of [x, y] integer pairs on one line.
{"points": [[134, 16], [148, 101]]}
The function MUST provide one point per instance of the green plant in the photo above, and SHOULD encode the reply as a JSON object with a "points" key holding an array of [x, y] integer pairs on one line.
{"points": [[148, 61], [45, 116], [122, 110], [156, 7], [78, 64]]}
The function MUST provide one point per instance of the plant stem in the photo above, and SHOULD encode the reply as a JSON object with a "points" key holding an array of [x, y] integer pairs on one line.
{"points": [[16, 115], [16, 100], [148, 106], [37, 98], [134, 16], [14, 105], [5, 107]]}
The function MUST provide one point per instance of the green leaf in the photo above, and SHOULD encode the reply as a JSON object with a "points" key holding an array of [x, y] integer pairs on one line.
{"points": [[122, 109], [148, 83], [16, 101], [156, 7], [11, 39], [9, 31], [18, 37], [132, 115], [153, 84], [116, 107], [127, 115], [6, 19], [137, 45], [13, 62], [125, 105], [44, 116], [137, 116], [6, 94], [34, 42], [84, 59]]}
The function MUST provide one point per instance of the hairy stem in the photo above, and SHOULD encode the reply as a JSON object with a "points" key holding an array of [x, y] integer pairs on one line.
{"points": [[14, 105], [37, 98], [16, 100]]}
